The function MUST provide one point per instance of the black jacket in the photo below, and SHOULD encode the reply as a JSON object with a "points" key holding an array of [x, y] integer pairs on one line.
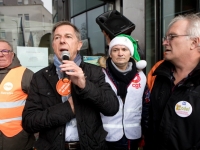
{"points": [[168, 130], [45, 112]]}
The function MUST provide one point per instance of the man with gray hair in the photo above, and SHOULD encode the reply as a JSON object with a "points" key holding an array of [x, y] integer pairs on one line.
{"points": [[66, 98], [175, 98], [14, 87]]}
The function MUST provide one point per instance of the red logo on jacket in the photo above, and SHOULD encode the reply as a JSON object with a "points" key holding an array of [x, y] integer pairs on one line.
{"points": [[135, 82]]}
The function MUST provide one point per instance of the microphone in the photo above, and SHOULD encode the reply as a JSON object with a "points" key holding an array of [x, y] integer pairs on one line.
{"points": [[65, 56]]}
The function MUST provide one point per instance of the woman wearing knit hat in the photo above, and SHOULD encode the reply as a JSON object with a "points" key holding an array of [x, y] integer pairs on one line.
{"points": [[123, 72]]}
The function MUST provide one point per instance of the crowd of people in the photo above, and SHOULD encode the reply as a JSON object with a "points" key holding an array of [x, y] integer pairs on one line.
{"points": [[74, 105]]}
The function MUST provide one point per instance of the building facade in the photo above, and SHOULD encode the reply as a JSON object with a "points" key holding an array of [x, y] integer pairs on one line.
{"points": [[24, 22], [151, 18]]}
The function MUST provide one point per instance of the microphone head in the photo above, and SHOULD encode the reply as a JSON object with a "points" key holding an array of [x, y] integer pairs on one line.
{"points": [[65, 55]]}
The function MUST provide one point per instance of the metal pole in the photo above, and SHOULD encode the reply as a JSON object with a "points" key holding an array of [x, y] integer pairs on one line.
{"points": [[16, 21]]}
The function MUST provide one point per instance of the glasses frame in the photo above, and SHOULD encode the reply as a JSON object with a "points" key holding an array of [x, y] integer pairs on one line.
{"points": [[5, 51], [171, 37]]}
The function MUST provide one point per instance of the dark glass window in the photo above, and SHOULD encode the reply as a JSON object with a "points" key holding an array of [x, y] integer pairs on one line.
{"points": [[1, 2], [150, 34], [95, 35], [158, 16], [172, 8], [84, 14], [77, 6], [19, 2], [2, 34], [93, 3], [26, 17], [1, 18]]}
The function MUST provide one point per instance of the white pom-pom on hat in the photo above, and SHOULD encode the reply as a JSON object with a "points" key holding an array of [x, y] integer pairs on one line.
{"points": [[141, 64]]}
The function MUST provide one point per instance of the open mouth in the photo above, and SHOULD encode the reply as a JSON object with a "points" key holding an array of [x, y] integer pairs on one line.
{"points": [[167, 50], [63, 49]]}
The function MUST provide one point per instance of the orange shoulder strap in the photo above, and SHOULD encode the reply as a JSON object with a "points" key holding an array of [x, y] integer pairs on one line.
{"points": [[150, 77]]}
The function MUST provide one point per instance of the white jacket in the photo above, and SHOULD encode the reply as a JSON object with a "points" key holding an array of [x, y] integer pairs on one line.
{"points": [[128, 119]]}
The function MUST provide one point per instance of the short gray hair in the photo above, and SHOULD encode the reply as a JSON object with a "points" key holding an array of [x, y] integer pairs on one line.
{"points": [[193, 29], [2, 40]]}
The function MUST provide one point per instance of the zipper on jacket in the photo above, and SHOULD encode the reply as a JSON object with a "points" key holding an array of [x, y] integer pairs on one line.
{"points": [[63, 136], [123, 117]]}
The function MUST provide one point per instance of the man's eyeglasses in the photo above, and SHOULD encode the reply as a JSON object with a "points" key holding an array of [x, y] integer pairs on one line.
{"points": [[5, 51], [171, 37]]}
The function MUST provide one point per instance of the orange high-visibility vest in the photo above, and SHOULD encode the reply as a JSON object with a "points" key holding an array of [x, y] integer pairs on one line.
{"points": [[12, 101]]}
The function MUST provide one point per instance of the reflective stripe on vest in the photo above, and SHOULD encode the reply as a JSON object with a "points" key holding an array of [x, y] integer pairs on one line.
{"points": [[12, 101], [128, 119]]}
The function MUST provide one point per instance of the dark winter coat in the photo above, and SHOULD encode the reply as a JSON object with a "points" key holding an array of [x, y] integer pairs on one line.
{"points": [[168, 129], [45, 112]]}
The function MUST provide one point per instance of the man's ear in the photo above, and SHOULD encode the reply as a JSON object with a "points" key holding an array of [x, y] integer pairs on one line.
{"points": [[196, 42], [80, 44], [13, 56]]}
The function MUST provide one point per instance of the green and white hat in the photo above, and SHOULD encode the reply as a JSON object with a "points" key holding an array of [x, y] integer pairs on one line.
{"points": [[129, 42]]}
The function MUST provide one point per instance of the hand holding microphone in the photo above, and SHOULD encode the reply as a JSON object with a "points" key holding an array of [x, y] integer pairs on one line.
{"points": [[72, 71]]}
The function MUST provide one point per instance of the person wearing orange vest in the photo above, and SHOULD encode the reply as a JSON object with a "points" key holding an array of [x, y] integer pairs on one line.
{"points": [[14, 86]]}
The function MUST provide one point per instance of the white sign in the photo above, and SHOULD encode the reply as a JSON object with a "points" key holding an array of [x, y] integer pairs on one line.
{"points": [[34, 58]]}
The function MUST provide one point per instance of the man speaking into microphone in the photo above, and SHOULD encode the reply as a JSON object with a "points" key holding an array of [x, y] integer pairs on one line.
{"points": [[66, 113]]}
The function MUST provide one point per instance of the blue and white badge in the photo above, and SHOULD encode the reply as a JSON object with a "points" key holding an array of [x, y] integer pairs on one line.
{"points": [[183, 109]]}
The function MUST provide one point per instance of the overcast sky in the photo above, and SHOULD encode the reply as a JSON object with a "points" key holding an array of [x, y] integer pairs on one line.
{"points": [[48, 5]]}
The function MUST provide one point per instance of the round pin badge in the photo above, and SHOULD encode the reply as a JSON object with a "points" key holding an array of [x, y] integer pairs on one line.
{"points": [[63, 87], [183, 109]]}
